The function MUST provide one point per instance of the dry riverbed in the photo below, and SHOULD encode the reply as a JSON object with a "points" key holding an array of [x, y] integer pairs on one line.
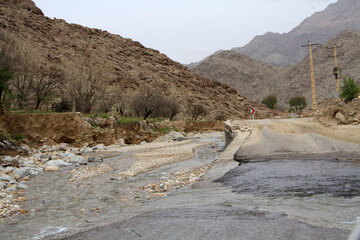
{"points": [[88, 181]]}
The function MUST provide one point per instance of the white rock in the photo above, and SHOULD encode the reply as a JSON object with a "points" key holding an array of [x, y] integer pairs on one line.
{"points": [[2, 185], [59, 163], [35, 171], [99, 147], [66, 154]]}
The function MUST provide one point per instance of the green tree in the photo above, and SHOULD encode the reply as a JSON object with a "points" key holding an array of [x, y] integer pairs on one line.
{"points": [[350, 90], [270, 101], [297, 103]]}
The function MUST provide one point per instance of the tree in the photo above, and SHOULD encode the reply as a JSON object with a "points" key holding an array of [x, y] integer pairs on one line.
{"points": [[196, 111], [270, 101], [350, 90], [146, 102], [297, 103], [5, 76]]}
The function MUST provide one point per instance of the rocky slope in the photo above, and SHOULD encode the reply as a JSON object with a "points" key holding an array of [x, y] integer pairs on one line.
{"points": [[256, 79], [130, 64], [284, 49]]}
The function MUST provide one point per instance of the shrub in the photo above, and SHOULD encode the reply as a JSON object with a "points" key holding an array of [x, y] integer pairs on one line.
{"points": [[297, 104], [270, 101], [350, 90], [197, 111]]}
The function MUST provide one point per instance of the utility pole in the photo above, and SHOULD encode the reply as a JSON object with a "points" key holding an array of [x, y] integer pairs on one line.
{"points": [[336, 70], [312, 75]]}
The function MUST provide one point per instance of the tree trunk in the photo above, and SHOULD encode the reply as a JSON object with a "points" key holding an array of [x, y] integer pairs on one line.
{"points": [[37, 104]]}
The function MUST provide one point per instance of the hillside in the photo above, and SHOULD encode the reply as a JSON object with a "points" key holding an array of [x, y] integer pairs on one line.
{"points": [[256, 79], [129, 64], [284, 49]]}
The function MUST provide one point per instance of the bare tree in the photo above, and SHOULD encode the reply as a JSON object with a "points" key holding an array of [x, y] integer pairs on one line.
{"points": [[169, 107], [197, 111], [146, 102], [121, 105]]}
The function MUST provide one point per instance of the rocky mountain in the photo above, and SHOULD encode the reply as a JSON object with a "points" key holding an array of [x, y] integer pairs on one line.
{"points": [[284, 49], [129, 63], [256, 79]]}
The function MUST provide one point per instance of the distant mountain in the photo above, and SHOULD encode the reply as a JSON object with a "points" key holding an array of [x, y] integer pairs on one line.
{"points": [[255, 79], [284, 49], [129, 64]]}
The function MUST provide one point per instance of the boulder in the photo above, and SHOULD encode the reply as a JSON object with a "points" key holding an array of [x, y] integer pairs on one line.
{"points": [[22, 185], [340, 117], [95, 159], [2, 185], [35, 171]]}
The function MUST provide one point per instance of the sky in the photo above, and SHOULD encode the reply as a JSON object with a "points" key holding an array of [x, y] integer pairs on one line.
{"points": [[186, 30]]}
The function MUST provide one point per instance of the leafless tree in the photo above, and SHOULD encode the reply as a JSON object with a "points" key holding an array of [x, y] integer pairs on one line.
{"points": [[146, 102], [121, 105], [196, 111]]}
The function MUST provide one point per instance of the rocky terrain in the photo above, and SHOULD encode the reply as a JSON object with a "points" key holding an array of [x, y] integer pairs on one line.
{"points": [[129, 64], [256, 79], [284, 49]]}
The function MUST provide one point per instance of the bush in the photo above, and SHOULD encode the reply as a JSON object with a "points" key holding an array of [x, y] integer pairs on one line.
{"points": [[270, 101], [350, 90], [297, 104], [197, 111]]}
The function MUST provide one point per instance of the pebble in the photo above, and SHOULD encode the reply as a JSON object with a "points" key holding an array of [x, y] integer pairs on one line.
{"points": [[66, 154], [78, 160], [51, 168], [2, 185], [35, 171], [22, 185], [95, 159]]}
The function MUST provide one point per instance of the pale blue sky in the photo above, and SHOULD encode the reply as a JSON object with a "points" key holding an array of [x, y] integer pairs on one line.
{"points": [[186, 30]]}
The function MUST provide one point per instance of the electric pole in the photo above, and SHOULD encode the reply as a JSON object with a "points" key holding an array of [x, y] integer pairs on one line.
{"points": [[312, 75], [336, 70]]}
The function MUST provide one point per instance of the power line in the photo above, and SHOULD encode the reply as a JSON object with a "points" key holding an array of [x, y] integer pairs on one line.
{"points": [[312, 75]]}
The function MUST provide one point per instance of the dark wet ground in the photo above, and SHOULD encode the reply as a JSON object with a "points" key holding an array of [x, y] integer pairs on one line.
{"points": [[338, 178]]}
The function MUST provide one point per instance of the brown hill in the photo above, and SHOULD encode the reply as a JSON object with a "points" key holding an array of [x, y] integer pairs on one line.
{"points": [[129, 65], [284, 49], [256, 79]]}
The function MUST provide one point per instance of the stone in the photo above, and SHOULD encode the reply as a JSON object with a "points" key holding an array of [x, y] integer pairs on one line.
{"points": [[63, 146], [340, 117], [143, 142], [35, 171], [26, 149], [29, 163], [9, 169], [59, 163], [48, 157], [66, 154], [7, 178], [78, 159], [95, 159], [11, 189], [51, 169], [2, 185], [99, 147], [22, 185], [22, 172], [86, 150]]}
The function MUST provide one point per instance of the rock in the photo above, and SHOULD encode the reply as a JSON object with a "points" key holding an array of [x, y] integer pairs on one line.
{"points": [[59, 163], [95, 159], [22, 172], [22, 185], [26, 149], [11, 189], [143, 142], [35, 171], [86, 150], [63, 146], [7, 178], [46, 148], [340, 117], [2, 185], [99, 147], [78, 159], [66, 154], [29, 163], [8, 170], [51, 169], [144, 126], [45, 158]]}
